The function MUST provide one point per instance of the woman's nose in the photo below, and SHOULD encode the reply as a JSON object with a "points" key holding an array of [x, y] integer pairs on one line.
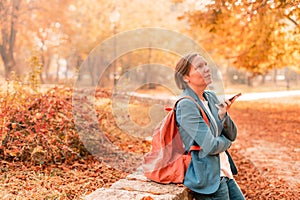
{"points": [[207, 69]]}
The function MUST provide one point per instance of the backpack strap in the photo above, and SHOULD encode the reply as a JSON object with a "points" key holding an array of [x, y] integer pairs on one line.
{"points": [[194, 148], [205, 118]]}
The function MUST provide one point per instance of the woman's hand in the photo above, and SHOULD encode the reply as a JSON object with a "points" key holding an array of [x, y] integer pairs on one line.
{"points": [[223, 108]]}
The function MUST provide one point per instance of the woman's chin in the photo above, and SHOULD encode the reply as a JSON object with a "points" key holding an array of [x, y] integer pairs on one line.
{"points": [[208, 82]]}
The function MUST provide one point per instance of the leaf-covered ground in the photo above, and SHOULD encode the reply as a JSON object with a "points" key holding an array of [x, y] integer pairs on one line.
{"points": [[266, 151], [267, 148]]}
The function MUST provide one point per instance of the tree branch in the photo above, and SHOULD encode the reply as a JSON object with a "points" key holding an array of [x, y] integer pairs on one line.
{"points": [[292, 20]]}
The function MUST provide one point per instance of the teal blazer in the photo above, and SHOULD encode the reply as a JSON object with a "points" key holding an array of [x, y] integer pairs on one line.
{"points": [[203, 173]]}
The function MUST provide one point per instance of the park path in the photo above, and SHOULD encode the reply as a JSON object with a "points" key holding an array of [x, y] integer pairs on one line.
{"points": [[269, 137], [272, 159]]}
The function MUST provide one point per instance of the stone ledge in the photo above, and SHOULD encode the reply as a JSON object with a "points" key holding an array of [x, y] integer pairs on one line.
{"points": [[137, 187], [112, 194]]}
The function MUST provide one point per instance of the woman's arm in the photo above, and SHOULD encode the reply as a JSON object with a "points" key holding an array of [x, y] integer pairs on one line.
{"points": [[229, 129], [193, 128]]}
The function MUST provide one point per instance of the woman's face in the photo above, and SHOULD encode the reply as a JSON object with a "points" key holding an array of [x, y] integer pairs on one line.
{"points": [[199, 75]]}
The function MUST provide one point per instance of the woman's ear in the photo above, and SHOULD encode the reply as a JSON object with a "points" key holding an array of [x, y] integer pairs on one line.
{"points": [[186, 79]]}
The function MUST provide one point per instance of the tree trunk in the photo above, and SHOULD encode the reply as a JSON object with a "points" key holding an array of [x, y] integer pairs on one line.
{"points": [[9, 63], [275, 76], [42, 68], [249, 79], [9, 33], [150, 75], [263, 79], [57, 71], [287, 77]]}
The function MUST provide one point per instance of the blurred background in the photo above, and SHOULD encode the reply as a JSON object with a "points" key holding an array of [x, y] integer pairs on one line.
{"points": [[254, 43], [44, 44]]}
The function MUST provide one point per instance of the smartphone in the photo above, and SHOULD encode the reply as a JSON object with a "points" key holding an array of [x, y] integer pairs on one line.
{"points": [[231, 99], [235, 96]]}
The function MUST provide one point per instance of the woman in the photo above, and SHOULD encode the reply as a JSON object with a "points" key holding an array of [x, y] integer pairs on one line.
{"points": [[210, 173]]}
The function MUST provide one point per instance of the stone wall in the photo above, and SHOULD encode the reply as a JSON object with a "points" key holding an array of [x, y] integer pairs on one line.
{"points": [[137, 187]]}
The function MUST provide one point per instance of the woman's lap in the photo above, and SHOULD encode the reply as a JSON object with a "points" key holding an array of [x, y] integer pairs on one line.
{"points": [[228, 190]]}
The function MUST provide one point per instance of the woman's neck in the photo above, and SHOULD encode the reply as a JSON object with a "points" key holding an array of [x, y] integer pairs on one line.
{"points": [[199, 92]]}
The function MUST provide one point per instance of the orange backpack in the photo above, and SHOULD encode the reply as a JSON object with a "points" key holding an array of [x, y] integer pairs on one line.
{"points": [[167, 160]]}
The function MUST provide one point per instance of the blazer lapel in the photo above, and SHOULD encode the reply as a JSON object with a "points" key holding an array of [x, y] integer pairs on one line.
{"points": [[191, 93]]}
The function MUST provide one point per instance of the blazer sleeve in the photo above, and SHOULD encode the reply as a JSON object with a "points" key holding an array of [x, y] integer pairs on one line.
{"points": [[229, 129], [192, 128]]}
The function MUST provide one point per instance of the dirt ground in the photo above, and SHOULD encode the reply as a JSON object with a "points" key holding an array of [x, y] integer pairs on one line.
{"points": [[267, 150]]}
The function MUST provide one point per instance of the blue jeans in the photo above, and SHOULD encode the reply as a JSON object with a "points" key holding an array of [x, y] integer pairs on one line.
{"points": [[228, 190]]}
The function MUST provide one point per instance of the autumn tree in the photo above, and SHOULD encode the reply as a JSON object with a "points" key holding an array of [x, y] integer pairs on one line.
{"points": [[254, 35], [27, 26], [69, 30], [54, 29]]}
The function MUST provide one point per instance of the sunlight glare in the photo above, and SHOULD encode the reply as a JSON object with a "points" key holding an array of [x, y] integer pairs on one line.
{"points": [[239, 2], [72, 8], [57, 25]]}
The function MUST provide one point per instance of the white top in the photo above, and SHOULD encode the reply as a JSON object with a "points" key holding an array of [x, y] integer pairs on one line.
{"points": [[224, 162]]}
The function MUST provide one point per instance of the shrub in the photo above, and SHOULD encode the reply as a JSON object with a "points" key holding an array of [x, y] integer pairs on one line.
{"points": [[39, 127]]}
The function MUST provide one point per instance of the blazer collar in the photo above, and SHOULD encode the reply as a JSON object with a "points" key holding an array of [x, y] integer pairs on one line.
{"points": [[189, 92]]}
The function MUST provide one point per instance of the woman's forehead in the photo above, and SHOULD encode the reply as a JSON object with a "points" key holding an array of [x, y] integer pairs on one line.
{"points": [[198, 60]]}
